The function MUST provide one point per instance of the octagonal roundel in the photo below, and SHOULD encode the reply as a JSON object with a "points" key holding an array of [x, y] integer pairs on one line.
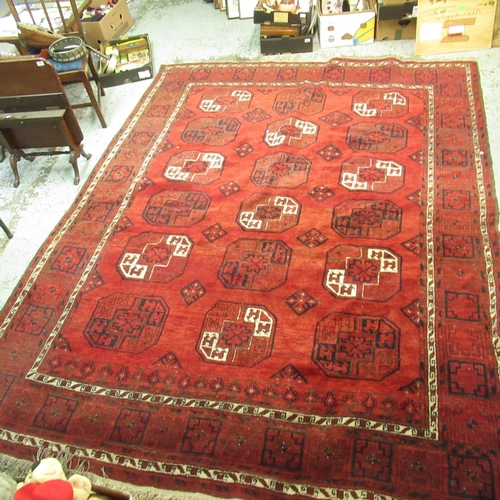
{"points": [[197, 167], [281, 170], [356, 346], [126, 323], [225, 100], [154, 257], [361, 272], [237, 334], [269, 213], [380, 103], [361, 173], [211, 131], [255, 265], [307, 99], [377, 219], [292, 132], [377, 137], [176, 208]]}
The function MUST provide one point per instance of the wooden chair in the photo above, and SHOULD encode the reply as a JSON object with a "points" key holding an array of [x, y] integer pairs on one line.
{"points": [[36, 118], [62, 17], [6, 229]]}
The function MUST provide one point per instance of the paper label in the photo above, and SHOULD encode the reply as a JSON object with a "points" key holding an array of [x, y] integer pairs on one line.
{"points": [[280, 17], [145, 73], [430, 31]]}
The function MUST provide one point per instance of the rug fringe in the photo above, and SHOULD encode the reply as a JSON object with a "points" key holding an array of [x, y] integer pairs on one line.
{"points": [[18, 469]]}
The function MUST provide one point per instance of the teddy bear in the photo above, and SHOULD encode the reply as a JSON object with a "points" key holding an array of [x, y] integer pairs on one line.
{"points": [[47, 481], [7, 486]]}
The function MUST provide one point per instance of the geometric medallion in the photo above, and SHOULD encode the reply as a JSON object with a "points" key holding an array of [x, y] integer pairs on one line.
{"points": [[237, 334], [176, 208], [371, 137], [373, 460], [211, 131], [225, 101], [308, 100], [255, 265], [126, 323], [154, 257], [269, 213], [282, 170], [194, 166], [283, 449], [353, 346], [367, 219], [359, 272], [361, 173], [378, 103], [292, 132]]}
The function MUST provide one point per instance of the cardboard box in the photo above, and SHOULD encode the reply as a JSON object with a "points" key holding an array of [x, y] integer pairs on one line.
{"points": [[396, 21], [454, 26], [286, 44], [113, 25], [347, 28], [262, 14], [396, 29], [496, 28], [131, 60]]}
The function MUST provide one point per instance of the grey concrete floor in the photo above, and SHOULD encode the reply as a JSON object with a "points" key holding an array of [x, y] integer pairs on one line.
{"points": [[180, 31]]}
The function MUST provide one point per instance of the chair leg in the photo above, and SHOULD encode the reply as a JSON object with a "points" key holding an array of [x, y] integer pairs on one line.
{"points": [[73, 158], [6, 229], [93, 100], [96, 78]]}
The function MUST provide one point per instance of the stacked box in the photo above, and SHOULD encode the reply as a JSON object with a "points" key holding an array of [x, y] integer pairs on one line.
{"points": [[396, 20], [113, 25], [284, 26], [355, 27]]}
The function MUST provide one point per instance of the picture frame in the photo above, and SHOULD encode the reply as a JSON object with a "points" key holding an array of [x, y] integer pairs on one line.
{"points": [[247, 8], [233, 9]]}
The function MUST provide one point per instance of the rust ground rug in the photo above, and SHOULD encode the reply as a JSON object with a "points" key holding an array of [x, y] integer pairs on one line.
{"points": [[280, 280]]}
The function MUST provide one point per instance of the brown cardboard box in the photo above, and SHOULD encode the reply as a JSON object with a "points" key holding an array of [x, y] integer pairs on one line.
{"points": [[454, 26], [496, 28], [395, 20], [113, 25], [396, 29]]}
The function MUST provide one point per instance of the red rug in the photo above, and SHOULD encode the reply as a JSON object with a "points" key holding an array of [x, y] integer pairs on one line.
{"points": [[280, 280]]}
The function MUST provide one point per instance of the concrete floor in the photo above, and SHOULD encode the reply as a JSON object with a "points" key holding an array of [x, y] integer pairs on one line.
{"points": [[180, 31]]}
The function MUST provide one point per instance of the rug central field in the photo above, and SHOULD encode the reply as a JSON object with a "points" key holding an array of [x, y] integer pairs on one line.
{"points": [[280, 280]]}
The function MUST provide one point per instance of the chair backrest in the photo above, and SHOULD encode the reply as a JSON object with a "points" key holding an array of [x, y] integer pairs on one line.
{"points": [[58, 16], [33, 81]]}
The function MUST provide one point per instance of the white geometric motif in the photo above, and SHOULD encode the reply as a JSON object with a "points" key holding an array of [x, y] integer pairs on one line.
{"points": [[275, 139], [263, 327], [335, 278], [335, 282], [290, 207], [388, 261], [364, 109], [350, 179], [211, 106], [130, 267], [177, 173]]}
